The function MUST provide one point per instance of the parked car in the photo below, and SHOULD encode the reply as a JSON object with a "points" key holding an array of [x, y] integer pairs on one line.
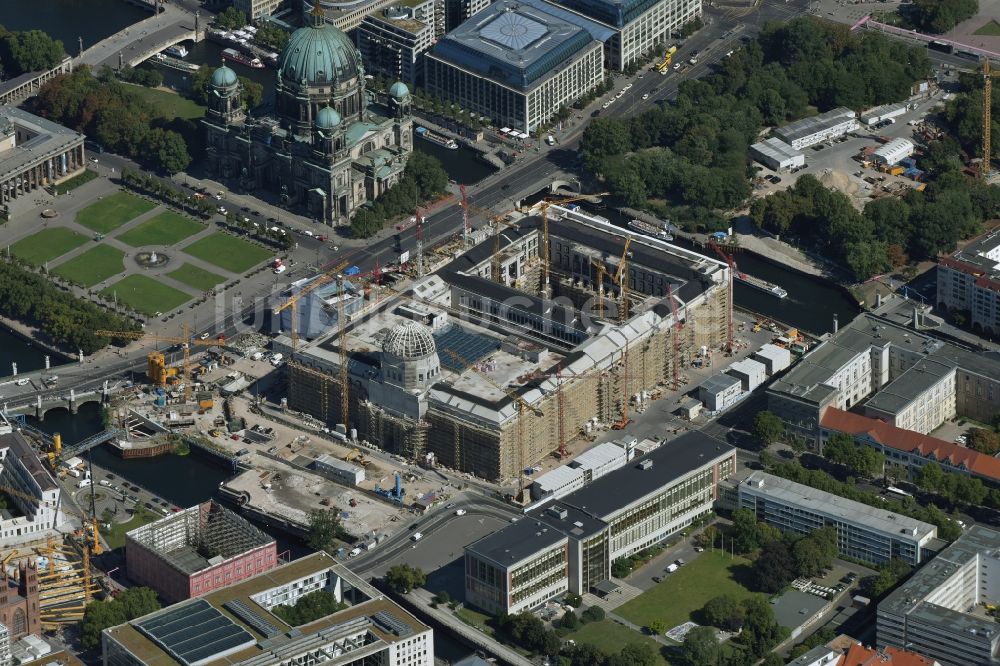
{"points": [[460, 512]]}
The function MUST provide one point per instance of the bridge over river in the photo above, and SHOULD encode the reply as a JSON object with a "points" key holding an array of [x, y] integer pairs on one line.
{"points": [[140, 41]]}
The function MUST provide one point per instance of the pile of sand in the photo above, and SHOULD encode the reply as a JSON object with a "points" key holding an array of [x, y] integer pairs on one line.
{"points": [[838, 180]]}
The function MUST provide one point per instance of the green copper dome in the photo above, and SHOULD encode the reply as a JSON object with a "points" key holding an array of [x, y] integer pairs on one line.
{"points": [[398, 90], [327, 118], [320, 54], [224, 77]]}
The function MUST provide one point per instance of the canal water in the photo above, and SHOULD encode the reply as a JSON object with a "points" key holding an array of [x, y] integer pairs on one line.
{"points": [[15, 350]]}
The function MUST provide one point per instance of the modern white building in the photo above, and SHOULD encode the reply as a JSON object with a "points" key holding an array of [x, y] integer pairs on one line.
{"points": [[31, 489], [922, 402], [589, 465], [969, 281], [940, 611], [719, 392], [631, 28], [892, 152], [774, 358], [559, 482], [570, 543], [751, 373], [238, 625], [393, 41], [884, 112], [339, 470], [864, 532], [823, 127], [256, 10], [515, 64], [777, 155]]}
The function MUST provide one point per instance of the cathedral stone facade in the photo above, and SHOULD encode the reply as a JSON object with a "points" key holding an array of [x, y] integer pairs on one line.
{"points": [[331, 147]]}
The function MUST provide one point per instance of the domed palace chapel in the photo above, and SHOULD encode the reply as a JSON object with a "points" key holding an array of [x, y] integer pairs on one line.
{"points": [[330, 146]]}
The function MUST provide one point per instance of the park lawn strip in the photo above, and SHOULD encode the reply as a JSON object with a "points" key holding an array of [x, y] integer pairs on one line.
{"points": [[169, 104], [76, 181], [989, 29], [146, 295], [687, 590], [166, 228], [116, 535], [46, 245], [227, 252], [196, 277], [95, 265], [610, 637], [113, 211]]}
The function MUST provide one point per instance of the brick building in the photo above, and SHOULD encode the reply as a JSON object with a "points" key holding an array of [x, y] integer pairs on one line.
{"points": [[19, 600]]}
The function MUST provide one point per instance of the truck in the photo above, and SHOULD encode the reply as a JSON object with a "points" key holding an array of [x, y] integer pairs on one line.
{"points": [[416, 536]]}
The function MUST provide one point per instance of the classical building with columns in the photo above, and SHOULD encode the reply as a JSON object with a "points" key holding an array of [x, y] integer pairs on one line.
{"points": [[331, 146], [35, 152]]}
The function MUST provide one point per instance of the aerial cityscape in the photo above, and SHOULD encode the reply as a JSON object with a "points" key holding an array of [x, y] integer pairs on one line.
{"points": [[520, 332]]}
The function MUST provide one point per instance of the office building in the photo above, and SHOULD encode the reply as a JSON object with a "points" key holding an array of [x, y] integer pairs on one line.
{"points": [[34, 493], [330, 147], [35, 152], [777, 155], [915, 381], [719, 392], [339, 470], [589, 465], [515, 64], [435, 375], [816, 129], [940, 611], [907, 451], [255, 10], [631, 28], [393, 41], [239, 625], [968, 281], [570, 543], [457, 12], [193, 552], [864, 532]]}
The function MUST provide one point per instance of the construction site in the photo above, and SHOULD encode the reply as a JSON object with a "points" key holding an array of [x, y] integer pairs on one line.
{"points": [[558, 324]]}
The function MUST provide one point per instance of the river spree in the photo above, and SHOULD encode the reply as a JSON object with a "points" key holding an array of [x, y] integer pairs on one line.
{"points": [[68, 20]]}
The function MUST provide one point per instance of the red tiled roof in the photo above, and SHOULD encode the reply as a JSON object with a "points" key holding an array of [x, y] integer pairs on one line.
{"points": [[859, 655], [889, 435]]}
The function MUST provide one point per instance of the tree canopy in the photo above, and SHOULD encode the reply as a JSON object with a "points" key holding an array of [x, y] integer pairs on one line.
{"points": [[861, 460], [29, 51], [309, 608], [767, 428], [231, 18], [938, 16], [403, 577], [130, 604], [423, 180], [324, 528]]}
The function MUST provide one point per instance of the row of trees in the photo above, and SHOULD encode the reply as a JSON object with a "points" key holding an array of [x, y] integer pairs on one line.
{"points": [[527, 631], [790, 70], [270, 35], [116, 116], [863, 461], [29, 51], [938, 16], [143, 76], [231, 18], [402, 578], [783, 556], [66, 320], [760, 632], [423, 180], [130, 604], [152, 186]]}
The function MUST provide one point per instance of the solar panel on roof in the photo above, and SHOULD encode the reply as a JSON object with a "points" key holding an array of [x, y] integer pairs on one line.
{"points": [[251, 617], [391, 623], [468, 347], [195, 633]]}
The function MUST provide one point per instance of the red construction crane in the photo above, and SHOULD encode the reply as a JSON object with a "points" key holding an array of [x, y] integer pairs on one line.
{"points": [[676, 336], [729, 297], [420, 242], [465, 217], [561, 404]]}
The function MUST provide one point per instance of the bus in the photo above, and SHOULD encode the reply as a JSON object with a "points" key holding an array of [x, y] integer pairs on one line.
{"points": [[943, 47], [897, 492]]}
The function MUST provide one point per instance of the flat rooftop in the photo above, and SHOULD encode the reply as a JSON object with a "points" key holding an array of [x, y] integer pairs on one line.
{"points": [[910, 597], [923, 375], [50, 139], [776, 149], [266, 649], [840, 508], [806, 127], [514, 44], [20, 448]]}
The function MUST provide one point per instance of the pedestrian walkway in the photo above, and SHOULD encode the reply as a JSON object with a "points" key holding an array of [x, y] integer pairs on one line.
{"points": [[622, 595], [614, 617]]}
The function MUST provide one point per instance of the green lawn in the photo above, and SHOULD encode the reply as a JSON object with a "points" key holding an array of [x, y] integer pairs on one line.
{"points": [[76, 181], [46, 245], [166, 228], [145, 294], [115, 537], [228, 252], [682, 593], [196, 277], [169, 104], [989, 29], [610, 637], [93, 266], [111, 212]]}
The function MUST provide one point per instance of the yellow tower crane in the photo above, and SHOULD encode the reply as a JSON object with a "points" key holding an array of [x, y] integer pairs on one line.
{"points": [[156, 370], [305, 290], [988, 75], [621, 279], [545, 227]]}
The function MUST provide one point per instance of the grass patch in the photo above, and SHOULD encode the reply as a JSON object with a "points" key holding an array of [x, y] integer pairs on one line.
{"points": [[46, 245], [475, 619], [686, 591], [166, 228], [113, 211], [989, 29], [146, 295], [95, 265], [76, 181], [196, 277], [610, 637], [227, 252], [116, 535], [169, 104]]}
